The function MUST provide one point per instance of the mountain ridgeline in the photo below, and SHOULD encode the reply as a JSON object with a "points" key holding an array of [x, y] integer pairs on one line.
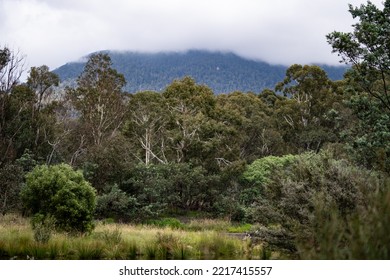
{"points": [[222, 72]]}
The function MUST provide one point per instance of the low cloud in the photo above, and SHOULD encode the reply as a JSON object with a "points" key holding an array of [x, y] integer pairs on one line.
{"points": [[53, 32]]}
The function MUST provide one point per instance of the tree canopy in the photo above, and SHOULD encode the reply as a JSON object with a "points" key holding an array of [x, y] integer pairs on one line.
{"points": [[307, 163]]}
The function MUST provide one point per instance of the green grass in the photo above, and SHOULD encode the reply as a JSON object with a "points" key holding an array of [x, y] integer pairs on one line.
{"points": [[124, 241], [242, 228]]}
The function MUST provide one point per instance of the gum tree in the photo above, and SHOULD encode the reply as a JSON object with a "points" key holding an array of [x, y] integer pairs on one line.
{"points": [[367, 49], [99, 99]]}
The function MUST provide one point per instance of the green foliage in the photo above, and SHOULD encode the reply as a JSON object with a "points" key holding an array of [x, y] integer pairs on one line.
{"points": [[41, 81], [369, 139], [62, 193], [11, 179], [259, 172], [227, 205], [151, 155], [245, 127], [26, 118], [367, 49], [27, 161], [305, 114], [115, 203], [363, 234], [292, 191], [107, 164], [145, 126], [163, 187], [43, 227], [274, 238], [99, 98], [190, 125]]}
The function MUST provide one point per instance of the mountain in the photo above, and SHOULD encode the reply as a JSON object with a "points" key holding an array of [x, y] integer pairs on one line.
{"points": [[223, 72]]}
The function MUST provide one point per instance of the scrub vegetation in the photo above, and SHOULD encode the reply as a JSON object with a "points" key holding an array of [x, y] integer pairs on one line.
{"points": [[300, 171]]}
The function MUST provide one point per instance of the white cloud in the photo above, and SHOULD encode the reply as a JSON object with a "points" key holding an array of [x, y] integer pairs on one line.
{"points": [[54, 32]]}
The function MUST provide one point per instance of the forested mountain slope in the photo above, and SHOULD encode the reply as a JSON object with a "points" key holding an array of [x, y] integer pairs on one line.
{"points": [[223, 72]]}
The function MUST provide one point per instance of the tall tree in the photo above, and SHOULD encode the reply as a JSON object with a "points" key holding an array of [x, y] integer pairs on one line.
{"points": [[189, 106], [311, 96], [11, 69], [146, 124], [367, 49], [249, 130], [41, 81], [99, 99]]}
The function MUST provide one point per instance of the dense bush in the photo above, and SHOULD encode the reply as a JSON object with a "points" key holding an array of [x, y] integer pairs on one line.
{"points": [[62, 193], [258, 177], [172, 187], [259, 171], [362, 234], [291, 194], [116, 204], [106, 164]]}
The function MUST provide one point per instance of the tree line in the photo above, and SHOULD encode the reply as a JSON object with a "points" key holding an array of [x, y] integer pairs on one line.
{"points": [[306, 160]]}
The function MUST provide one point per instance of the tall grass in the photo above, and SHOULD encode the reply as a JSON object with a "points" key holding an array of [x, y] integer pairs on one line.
{"points": [[120, 241]]}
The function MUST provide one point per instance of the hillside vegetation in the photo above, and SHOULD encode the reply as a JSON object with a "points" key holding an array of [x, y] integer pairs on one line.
{"points": [[222, 72], [301, 169]]}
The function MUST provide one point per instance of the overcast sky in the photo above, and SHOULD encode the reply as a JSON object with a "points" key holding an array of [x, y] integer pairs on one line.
{"points": [[54, 32]]}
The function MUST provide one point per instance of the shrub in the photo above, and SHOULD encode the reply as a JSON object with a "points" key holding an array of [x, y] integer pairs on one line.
{"points": [[259, 177], [259, 172], [116, 204], [62, 193], [43, 227], [290, 193], [362, 234]]}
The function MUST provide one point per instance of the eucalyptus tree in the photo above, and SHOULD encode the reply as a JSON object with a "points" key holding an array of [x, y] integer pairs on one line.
{"points": [[11, 69], [189, 106], [367, 49], [42, 81], [311, 95], [146, 127], [99, 99]]}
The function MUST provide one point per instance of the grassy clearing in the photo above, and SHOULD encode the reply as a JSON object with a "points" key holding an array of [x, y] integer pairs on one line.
{"points": [[123, 241]]}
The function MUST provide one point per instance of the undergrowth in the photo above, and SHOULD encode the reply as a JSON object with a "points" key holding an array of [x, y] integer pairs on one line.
{"points": [[166, 240]]}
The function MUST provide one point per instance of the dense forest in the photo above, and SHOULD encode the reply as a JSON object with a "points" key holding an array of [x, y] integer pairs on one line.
{"points": [[307, 162], [222, 72]]}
